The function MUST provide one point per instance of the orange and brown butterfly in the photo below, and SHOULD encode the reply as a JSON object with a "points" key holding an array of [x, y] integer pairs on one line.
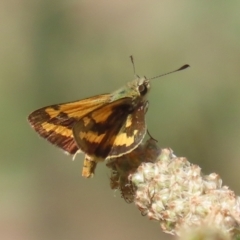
{"points": [[104, 126]]}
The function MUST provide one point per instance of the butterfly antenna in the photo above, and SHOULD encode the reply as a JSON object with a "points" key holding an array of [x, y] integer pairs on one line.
{"points": [[179, 69], [131, 57]]}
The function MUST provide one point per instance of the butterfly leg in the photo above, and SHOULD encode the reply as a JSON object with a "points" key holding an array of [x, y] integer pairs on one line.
{"points": [[146, 109], [151, 136], [89, 166]]}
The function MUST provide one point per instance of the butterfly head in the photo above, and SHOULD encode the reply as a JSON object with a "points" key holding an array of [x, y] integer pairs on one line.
{"points": [[137, 90], [142, 86]]}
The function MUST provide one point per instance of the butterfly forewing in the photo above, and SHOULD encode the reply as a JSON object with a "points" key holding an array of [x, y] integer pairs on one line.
{"points": [[107, 131], [55, 122]]}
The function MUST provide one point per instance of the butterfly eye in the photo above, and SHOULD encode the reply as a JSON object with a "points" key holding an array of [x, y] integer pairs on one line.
{"points": [[142, 89]]}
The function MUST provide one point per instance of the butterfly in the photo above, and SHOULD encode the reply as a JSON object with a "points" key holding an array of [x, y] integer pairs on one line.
{"points": [[103, 126]]}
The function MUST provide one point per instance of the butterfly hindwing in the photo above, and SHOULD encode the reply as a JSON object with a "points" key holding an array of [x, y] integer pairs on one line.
{"points": [[131, 133], [111, 130], [55, 122]]}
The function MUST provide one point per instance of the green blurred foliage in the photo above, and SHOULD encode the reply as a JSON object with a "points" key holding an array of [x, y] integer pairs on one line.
{"points": [[59, 51]]}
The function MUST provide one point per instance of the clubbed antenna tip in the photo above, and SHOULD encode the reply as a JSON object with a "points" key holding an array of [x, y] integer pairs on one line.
{"points": [[179, 69]]}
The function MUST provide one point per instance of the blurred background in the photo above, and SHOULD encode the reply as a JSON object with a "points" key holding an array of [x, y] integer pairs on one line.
{"points": [[55, 51]]}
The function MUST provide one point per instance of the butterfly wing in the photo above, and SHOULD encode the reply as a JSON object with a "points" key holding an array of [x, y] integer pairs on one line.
{"points": [[111, 130], [55, 122], [131, 133]]}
